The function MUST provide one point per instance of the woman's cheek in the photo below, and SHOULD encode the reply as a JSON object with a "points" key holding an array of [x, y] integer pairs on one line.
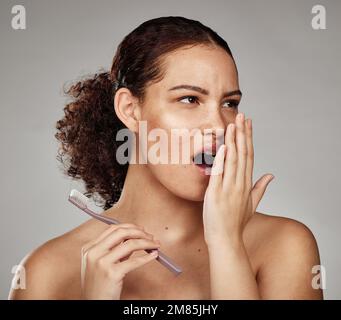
{"points": [[178, 175]]}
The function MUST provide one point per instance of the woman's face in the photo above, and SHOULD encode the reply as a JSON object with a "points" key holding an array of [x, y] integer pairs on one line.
{"points": [[206, 113]]}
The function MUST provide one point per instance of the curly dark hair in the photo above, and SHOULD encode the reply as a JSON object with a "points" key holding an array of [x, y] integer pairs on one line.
{"points": [[87, 131]]}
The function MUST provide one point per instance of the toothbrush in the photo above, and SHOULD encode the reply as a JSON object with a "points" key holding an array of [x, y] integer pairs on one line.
{"points": [[81, 201]]}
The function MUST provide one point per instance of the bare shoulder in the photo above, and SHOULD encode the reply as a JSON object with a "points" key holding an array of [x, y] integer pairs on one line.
{"points": [[52, 271], [289, 253], [283, 231]]}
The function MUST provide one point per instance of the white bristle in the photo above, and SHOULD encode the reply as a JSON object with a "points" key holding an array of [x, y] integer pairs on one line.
{"points": [[79, 198]]}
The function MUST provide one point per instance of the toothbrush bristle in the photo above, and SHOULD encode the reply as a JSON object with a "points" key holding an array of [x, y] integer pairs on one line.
{"points": [[78, 198]]}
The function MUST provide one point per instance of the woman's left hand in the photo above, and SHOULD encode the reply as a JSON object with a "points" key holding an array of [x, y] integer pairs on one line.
{"points": [[230, 201]]}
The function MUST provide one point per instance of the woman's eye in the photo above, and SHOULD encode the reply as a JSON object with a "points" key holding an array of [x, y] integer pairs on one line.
{"points": [[191, 99], [232, 104]]}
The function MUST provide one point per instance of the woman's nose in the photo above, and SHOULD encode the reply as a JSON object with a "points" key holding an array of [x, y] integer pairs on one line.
{"points": [[213, 129], [215, 122]]}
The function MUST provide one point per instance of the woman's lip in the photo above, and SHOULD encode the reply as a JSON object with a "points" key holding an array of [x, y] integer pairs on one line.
{"points": [[210, 149], [203, 170]]}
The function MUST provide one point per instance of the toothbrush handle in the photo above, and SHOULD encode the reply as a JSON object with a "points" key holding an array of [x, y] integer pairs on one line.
{"points": [[167, 262]]}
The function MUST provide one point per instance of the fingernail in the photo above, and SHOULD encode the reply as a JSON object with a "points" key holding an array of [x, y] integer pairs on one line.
{"points": [[221, 148]]}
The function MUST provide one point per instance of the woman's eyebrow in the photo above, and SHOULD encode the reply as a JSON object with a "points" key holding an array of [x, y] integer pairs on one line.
{"points": [[204, 91]]}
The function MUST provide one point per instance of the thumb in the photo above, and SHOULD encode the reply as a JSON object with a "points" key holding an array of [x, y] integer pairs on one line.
{"points": [[259, 189]]}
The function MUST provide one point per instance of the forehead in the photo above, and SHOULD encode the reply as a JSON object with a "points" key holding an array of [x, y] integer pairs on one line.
{"points": [[200, 65]]}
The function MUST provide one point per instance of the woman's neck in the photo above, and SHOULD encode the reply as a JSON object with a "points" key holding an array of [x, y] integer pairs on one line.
{"points": [[146, 202]]}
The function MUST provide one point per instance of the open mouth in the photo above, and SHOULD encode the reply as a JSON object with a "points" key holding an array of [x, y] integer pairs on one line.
{"points": [[204, 159]]}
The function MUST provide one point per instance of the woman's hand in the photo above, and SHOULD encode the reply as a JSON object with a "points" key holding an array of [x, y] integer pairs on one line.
{"points": [[230, 201], [106, 260]]}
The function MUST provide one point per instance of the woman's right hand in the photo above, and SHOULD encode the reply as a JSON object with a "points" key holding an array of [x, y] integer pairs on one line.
{"points": [[106, 260]]}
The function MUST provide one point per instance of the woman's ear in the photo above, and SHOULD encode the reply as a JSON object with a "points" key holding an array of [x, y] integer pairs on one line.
{"points": [[127, 108]]}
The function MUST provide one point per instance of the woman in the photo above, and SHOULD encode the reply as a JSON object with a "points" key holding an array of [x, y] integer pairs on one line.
{"points": [[170, 72]]}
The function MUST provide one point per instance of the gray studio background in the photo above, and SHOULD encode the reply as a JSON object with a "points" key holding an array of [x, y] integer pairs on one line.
{"points": [[289, 74]]}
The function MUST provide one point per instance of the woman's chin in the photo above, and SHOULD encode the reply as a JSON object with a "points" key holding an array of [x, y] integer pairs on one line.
{"points": [[193, 192], [187, 182]]}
